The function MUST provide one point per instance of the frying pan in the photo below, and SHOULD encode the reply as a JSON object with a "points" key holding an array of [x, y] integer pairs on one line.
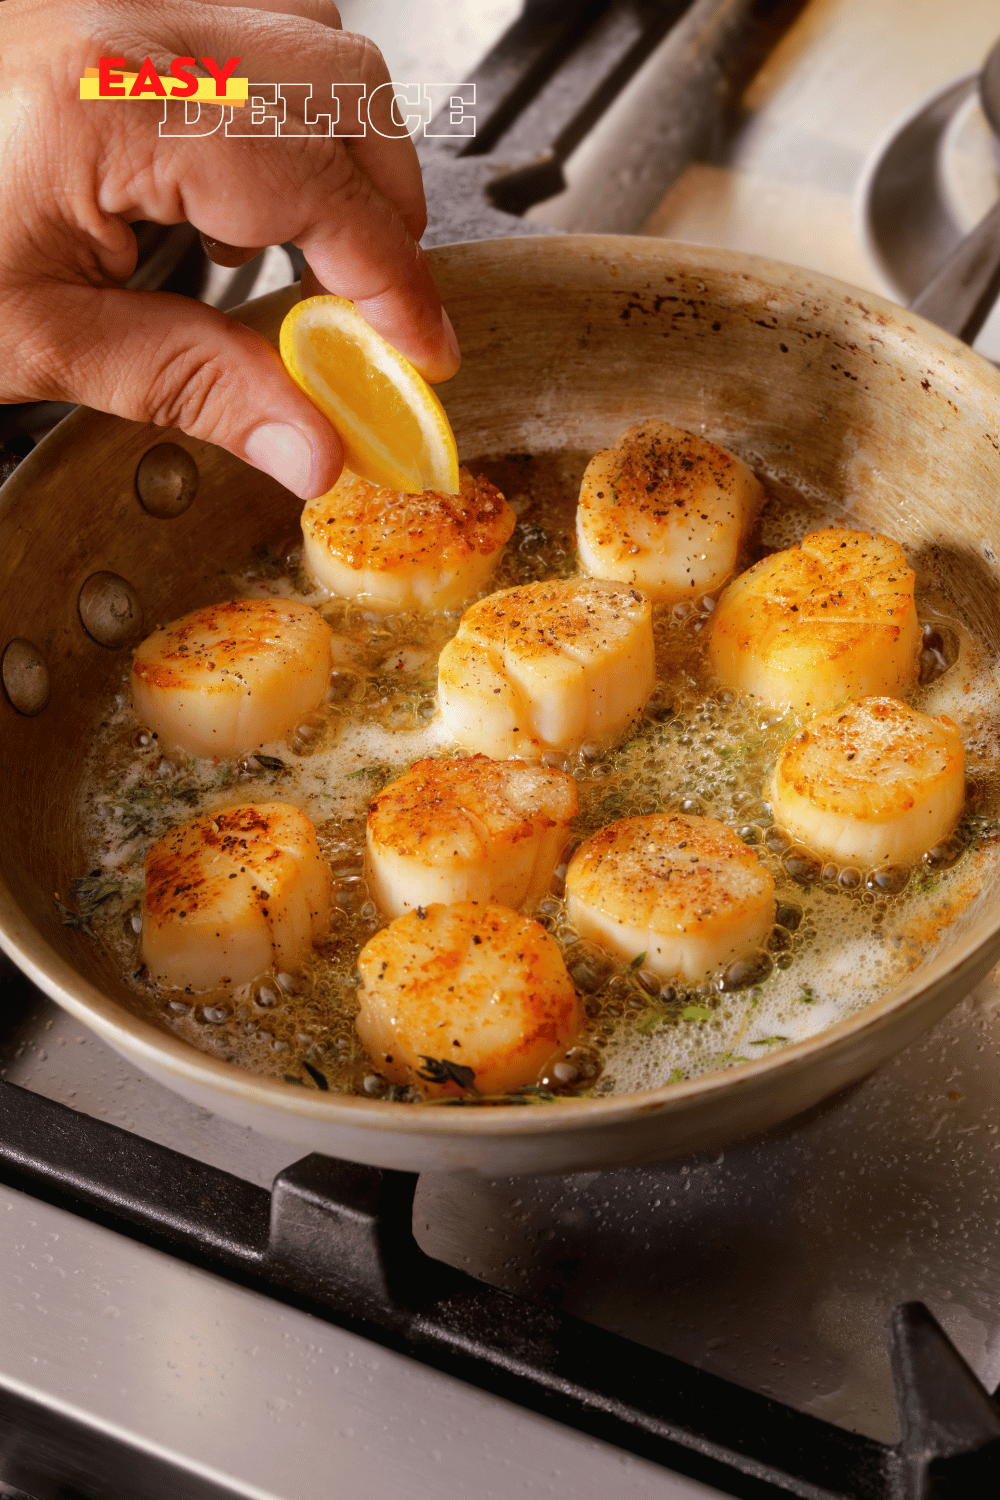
{"points": [[567, 340]]}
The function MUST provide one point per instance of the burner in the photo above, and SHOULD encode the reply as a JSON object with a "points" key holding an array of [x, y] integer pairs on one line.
{"points": [[930, 179]]}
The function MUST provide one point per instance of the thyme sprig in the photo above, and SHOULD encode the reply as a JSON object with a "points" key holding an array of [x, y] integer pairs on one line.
{"points": [[270, 763], [142, 806], [90, 892], [443, 1070], [318, 1078], [379, 772]]}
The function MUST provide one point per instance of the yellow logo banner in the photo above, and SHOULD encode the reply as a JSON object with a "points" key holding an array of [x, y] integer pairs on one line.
{"points": [[149, 85]]}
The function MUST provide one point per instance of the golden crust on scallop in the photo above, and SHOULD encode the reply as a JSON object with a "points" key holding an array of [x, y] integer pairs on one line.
{"points": [[232, 894], [394, 551], [457, 829], [875, 781], [665, 510], [231, 676], [682, 890], [830, 619], [548, 666], [477, 986]]}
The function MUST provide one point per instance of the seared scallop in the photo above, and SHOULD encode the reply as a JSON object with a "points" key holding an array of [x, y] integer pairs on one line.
{"points": [[233, 676], [232, 894], [666, 511], [547, 666], [478, 989], [683, 892], [828, 620], [875, 782], [394, 552], [467, 830]]}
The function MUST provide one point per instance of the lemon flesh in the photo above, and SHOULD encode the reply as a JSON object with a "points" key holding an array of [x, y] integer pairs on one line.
{"points": [[393, 427]]}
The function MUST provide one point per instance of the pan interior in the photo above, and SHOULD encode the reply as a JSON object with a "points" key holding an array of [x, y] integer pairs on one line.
{"points": [[824, 395]]}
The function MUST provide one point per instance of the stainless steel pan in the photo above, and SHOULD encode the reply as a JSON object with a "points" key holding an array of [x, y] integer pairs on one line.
{"points": [[566, 341]]}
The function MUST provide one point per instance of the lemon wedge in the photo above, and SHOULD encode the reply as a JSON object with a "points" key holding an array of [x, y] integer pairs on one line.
{"points": [[394, 429]]}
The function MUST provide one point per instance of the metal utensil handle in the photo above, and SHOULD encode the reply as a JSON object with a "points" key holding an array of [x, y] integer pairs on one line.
{"points": [[962, 293]]}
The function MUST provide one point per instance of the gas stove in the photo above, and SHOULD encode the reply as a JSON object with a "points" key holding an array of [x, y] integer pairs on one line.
{"points": [[186, 1311]]}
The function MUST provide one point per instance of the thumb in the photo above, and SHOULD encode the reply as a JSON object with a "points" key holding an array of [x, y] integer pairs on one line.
{"points": [[156, 357]]}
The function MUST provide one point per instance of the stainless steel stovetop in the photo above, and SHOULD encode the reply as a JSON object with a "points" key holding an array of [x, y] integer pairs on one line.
{"points": [[775, 1264]]}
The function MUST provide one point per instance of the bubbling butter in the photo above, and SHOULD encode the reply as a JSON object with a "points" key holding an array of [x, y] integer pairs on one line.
{"points": [[841, 938]]}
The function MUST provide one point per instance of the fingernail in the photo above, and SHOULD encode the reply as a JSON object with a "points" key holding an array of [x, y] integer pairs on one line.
{"points": [[449, 334], [283, 452]]}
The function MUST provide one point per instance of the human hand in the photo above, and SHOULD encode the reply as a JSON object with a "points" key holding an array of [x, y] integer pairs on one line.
{"points": [[76, 174]]}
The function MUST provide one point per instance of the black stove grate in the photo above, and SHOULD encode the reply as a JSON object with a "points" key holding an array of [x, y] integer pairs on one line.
{"points": [[554, 76], [336, 1240]]}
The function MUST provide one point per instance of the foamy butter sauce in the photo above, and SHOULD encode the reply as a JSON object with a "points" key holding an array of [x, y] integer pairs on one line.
{"points": [[834, 950]]}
